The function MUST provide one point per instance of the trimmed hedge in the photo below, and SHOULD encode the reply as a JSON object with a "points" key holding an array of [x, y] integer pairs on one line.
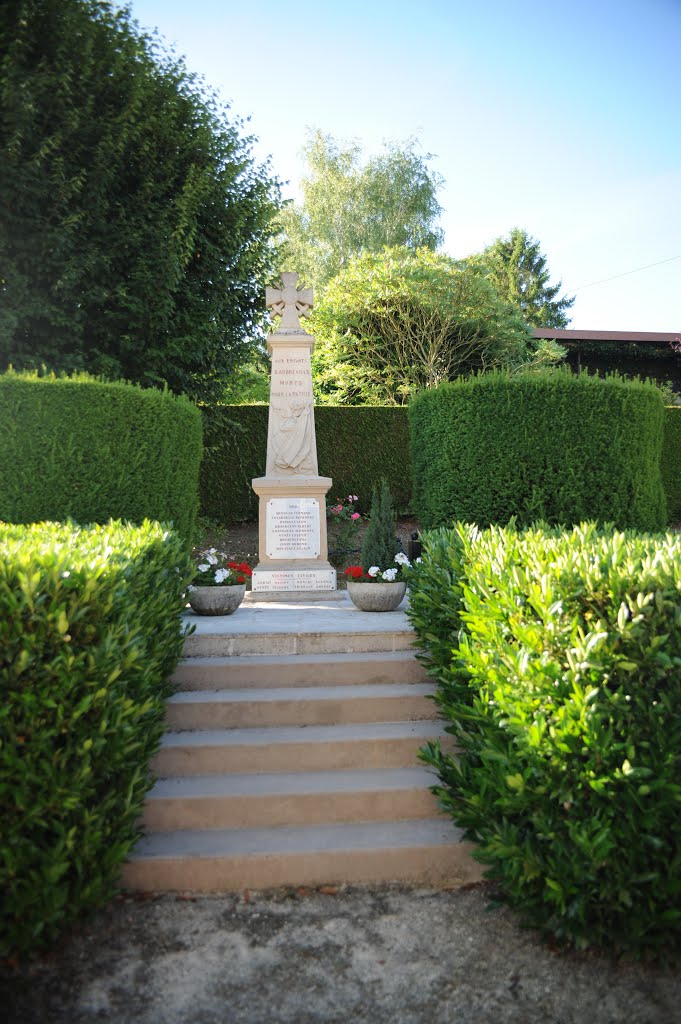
{"points": [[558, 662], [83, 449], [671, 463], [234, 453], [355, 447], [89, 632], [554, 447]]}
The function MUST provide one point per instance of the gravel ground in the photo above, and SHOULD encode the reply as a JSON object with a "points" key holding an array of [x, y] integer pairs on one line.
{"points": [[385, 955]]}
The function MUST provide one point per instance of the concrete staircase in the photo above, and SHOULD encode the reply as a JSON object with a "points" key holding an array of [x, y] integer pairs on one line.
{"points": [[298, 767]]}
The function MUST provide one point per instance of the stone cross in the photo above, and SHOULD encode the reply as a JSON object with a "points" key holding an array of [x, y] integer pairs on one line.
{"points": [[289, 302]]}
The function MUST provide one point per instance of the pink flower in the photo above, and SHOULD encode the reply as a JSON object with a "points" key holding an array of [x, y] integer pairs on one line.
{"points": [[355, 515], [352, 497]]}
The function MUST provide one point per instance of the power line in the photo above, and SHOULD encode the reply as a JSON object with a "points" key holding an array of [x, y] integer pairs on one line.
{"points": [[626, 273]]}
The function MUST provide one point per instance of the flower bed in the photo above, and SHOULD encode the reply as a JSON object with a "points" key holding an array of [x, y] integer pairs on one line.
{"points": [[215, 569], [374, 574]]}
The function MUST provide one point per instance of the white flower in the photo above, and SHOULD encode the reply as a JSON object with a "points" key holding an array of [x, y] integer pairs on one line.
{"points": [[401, 558], [390, 575], [373, 570], [221, 575], [203, 567], [418, 561], [211, 559], [190, 587]]}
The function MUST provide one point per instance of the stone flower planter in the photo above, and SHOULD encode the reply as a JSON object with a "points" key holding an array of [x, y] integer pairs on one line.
{"points": [[376, 597], [216, 600]]}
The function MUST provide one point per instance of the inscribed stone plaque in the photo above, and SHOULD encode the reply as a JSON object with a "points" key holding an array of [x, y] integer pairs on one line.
{"points": [[292, 528], [294, 579]]}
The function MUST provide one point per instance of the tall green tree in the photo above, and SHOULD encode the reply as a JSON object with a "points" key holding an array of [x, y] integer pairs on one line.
{"points": [[136, 232], [352, 205], [517, 269], [395, 322]]}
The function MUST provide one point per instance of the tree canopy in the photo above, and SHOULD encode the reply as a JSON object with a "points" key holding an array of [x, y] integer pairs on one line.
{"points": [[395, 322], [352, 206], [137, 232], [517, 269]]}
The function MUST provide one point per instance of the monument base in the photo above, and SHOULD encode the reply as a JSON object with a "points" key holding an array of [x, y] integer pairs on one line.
{"points": [[292, 536], [315, 576], [303, 597]]}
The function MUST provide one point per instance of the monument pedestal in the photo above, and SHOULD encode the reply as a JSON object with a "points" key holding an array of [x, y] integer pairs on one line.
{"points": [[292, 535]]}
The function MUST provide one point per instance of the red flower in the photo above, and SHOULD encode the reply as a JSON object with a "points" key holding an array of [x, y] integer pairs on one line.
{"points": [[355, 571], [232, 565], [241, 579]]}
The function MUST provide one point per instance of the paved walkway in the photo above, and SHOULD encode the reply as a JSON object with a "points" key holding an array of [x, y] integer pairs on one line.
{"points": [[359, 956], [335, 615], [299, 626]]}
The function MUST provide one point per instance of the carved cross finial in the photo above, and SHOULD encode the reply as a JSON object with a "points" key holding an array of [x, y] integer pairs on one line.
{"points": [[289, 302]]}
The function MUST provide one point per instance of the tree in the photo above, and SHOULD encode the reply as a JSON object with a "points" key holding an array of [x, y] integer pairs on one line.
{"points": [[350, 207], [395, 322], [518, 271], [136, 231]]}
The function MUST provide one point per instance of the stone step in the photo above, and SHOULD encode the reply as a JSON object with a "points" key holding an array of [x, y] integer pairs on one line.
{"points": [[294, 748], [427, 852], [318, 705], [358, 668], [295, 758], [289, 798], [289, 642]]}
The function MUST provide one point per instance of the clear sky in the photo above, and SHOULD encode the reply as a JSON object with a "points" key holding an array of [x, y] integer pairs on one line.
{"points": [[562, 117]]}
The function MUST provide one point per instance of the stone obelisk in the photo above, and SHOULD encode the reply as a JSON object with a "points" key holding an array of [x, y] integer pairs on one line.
{"points": [[292, 516]]}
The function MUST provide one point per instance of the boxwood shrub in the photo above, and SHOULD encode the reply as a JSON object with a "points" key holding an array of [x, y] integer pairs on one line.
{"points": [[89, 632], [89, 450], [558, 663], [556, 447]]}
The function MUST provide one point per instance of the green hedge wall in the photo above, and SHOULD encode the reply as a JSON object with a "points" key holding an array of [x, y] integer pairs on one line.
{"points": [[79, 448], [557, 657], [553, 447], [355, 447], [89, 634], [234, 452], [671, 463]]}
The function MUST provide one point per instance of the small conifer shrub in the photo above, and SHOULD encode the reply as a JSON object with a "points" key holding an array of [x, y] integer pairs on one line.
{"points": [[380, 544]]}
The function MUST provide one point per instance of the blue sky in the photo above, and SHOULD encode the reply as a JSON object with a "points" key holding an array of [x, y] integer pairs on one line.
{"points": [[562, 117]]}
